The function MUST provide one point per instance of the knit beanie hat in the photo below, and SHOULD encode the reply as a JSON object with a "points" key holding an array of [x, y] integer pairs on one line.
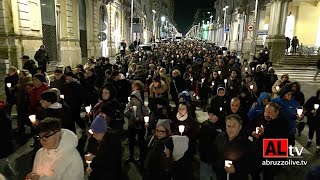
{"points": [[49, 96], [164, 123], [40, 77], [185, 95], [99, 125], [212, 110], [285, 89]]}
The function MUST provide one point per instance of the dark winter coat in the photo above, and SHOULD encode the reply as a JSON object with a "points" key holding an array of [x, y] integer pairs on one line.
{"points": [[61, 112], [31, 66], [42, 57], [14, 81], [177, 85], [240, 151], [155, 166], [313, 119], [207, 136], [107, 163]]}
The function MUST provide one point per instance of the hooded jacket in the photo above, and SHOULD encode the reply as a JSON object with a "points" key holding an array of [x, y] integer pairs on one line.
{"points": [[258, 110], [136, 120], [288, 111], [61, 163]]}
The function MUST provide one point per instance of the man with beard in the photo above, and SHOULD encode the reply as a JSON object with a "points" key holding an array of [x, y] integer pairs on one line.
{"points": [[270, 126]]}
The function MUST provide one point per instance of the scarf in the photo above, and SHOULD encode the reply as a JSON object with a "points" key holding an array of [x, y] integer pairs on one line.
{"points": [[182, 118]]}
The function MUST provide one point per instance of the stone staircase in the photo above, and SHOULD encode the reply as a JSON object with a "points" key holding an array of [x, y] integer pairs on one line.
{"points": [[300, 60]]}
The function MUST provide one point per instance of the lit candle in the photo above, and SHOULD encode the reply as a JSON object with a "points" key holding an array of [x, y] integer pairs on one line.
{"points": [[135, 110], [202, 80], [212, 83], [191, 79], [219, 72], [88, 108], [9, 85], [146, 119], [181, 129], [177, 56], [257, 130], [194, 58], [220, 108], [299, 112], [129, 98], [252, 68], [32, 118], [277, 88], [316, 106], [251, 86], [18, 71], [246, 69], [127, 74], [225, 81], [90, 131], [87, 161], [227, 163], [62, 96]]}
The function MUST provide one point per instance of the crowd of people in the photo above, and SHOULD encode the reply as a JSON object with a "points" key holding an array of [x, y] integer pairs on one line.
{"points": [[157, 95]]}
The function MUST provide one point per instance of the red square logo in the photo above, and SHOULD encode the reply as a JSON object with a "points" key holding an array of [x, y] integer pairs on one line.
{"points": [[275, 148]]}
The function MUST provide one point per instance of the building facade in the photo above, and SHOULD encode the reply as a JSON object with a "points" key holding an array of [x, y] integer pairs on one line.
{"points": [[72, 30], [240, 28]]}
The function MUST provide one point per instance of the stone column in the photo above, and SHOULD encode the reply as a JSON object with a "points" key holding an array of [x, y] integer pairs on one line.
{"points": [[275, 41]]}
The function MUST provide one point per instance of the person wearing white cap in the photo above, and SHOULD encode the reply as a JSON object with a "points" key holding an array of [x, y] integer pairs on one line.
{"points": [[153, 166]]}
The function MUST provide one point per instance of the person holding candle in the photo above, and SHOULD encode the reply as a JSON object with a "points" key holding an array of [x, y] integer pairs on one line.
{"points": [[204, 87], [215, 81], [233, 83], [10, 82], [270, 126], [136, 123], [58, 158], [222, 68], [52, 108], [288, 110], [232, 146], [106, 161], [208, 133], [220, 100], [179, 158], [251, 84], [279, 84], [298, 96], [313, 122], [191, 127], [271, 79], [158, 88], [154, 166]]}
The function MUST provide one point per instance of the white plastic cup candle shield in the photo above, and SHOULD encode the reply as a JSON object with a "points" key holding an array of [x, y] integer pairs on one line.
{"points": [[146, 119], [90, 131], [225, 80], [129, 98], [316, 106], [181, 128], [257, 130], [252, 68], [202, 80], [32, 118], [212, 83], [88, 108], [87, 161], [227, 163], [219, 72], [62, 96], [220, 108], [277, 88], [9, 85], [246, 69], [299, 111]]}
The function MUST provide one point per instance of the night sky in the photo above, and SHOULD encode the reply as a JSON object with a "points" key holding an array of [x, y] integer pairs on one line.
{"points": [[185, 10]]}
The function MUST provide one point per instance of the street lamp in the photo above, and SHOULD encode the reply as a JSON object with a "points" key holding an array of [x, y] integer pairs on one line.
{"points": [[131, 30], [255, 27], [224, 23], [154, 24], [58, 29]]}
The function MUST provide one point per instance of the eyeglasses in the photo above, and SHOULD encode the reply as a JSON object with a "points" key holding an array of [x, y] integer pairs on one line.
{"points": [[46, 137], [160, 131]]}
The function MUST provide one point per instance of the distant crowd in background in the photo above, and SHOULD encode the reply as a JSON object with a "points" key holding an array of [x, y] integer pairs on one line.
{"points": [[83, 119]]}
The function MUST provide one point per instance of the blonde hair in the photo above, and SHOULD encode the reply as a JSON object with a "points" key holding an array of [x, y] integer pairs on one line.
{"points": [[176, 71]]}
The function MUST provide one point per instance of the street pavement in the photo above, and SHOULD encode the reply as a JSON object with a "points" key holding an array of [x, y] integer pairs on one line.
{"points": [[21, 160]]}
